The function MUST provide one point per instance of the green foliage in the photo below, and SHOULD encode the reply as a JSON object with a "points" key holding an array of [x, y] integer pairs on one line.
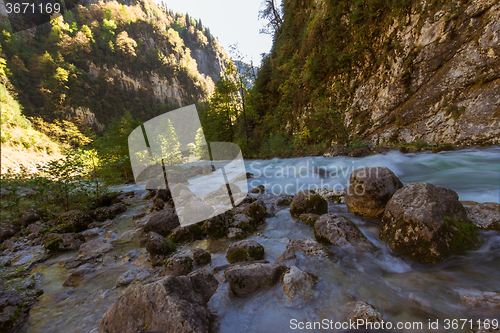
{"points": [[112, 150]]}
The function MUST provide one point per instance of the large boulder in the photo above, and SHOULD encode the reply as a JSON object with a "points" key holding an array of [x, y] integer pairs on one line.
{"points": [[73, 221], [245, 250], [247, 279], [162, 222], [62, 242], [338, 230], [485, 215], [369, 191], [427, 223], [171, 304], [308, 202]]}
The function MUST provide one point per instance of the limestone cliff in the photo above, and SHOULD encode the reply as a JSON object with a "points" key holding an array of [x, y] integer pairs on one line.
{"points": [[384, 71], [442, 85]]}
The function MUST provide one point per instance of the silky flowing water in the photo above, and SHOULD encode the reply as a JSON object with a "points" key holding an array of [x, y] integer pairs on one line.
{"points": [[402, 290]]}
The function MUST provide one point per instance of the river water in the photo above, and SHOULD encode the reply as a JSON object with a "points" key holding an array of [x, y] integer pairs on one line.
{"points": [[402, 290]]}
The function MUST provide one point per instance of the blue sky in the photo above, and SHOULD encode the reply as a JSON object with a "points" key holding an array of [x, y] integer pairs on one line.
{"points": [[231, 22]]}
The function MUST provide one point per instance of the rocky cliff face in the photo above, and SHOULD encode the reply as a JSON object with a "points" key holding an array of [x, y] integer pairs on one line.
{"points": [[440, 85]]}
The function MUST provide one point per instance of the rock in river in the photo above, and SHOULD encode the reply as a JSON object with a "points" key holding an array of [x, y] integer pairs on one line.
{"points": [[171, 304], [308, 202], [427, 223], [247, 279], [338, 230], [369, 191], [245, 250], [162, 222], [485, 215]]}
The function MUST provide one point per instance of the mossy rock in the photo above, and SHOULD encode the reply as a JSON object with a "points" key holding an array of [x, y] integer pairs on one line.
{"points": [[246, 250], [427, 223], [306, 202]]}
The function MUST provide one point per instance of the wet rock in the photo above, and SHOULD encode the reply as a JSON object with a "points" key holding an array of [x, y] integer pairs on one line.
{"points": [[179, 265], [196, 210], [95, 246], [73, 221], [361, 310], [245, 280], [482, 329], [338, 230], [162, 222], [298, 283], [217, 226], [307, 246], [132, 275], [162, 194], [309, 219], [156, 244], [246, 250], [92, 232], [63, 242], [158, 204], [201, 256], [336, 196], [107, 199], [256, 211], [235, 234], [480, 299], [222, 191], [427, 223], [172, 304], [82, 272], [188, 233], [74, 262], [259, 190], [484, 215], [308, 202], [243, 222], [335, 150], [284, 200], [369, 191]]}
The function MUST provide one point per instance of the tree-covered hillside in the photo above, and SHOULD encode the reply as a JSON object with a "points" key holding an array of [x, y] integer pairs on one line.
{"points": [[109, 58]]}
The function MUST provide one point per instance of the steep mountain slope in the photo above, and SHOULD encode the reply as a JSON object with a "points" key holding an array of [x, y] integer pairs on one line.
{"points": [[385, 71], [106, 58]]}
